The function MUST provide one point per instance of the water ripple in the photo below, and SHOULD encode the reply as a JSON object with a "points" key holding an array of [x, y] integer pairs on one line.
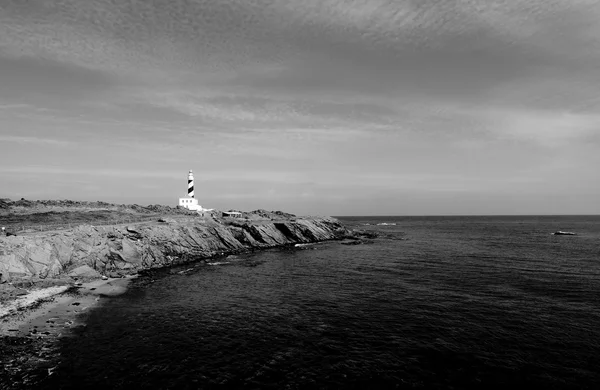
{"points": [[465, 303]]}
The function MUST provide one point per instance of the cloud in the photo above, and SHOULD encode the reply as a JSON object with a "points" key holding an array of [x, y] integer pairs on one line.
{"points": [[225, 175], [13, 107], [23, 76], [59, 170], [195, 106], [546, 128], [379, 96], [460, 50], [34, 140]]}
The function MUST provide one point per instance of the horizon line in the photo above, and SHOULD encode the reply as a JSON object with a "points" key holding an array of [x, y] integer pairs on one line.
{"points": [[467, 215]]}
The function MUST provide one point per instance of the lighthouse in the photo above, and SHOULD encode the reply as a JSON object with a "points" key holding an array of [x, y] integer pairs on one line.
{"points": [[191, 184], [190, 202]]}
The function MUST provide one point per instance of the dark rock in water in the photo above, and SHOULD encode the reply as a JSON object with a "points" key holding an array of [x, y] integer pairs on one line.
{"points": [[561, 233], [357, 234], [355, 241]]}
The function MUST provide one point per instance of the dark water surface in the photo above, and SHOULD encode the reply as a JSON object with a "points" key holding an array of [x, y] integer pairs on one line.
{"points": [[435, 302]]}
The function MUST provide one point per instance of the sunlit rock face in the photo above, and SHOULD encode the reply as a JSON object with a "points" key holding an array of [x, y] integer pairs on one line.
{"points": [[129, 249]]}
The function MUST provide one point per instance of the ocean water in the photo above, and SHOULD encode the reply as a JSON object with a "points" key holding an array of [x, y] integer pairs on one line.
{"points": [[432, 303]]}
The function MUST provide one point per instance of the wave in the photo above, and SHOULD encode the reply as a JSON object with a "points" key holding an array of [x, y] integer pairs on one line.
{"points": [[219, 263]]}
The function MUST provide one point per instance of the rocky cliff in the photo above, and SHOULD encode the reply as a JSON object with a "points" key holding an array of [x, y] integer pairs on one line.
{"points": [[90, 251]]}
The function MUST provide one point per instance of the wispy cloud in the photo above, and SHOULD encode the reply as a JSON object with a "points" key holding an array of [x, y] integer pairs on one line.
{"points": [[12, 107], [545, 127], [60, 171], [33, 140]]}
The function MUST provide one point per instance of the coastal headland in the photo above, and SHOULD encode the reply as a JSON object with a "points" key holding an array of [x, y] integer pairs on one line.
{"points": [[60, 258], [104, 240]]}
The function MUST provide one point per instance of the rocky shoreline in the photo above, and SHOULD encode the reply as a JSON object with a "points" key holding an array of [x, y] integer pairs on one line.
{"points": [[29, 336], [39, 263], [50, 279], [91, 251]]}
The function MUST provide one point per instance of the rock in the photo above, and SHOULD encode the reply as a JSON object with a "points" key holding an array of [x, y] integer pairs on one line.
{"points": [[115, 274], [104, 277], [132, 230], [351, 242], [84, 271], [362, 234], [130, 252], [86, 251], [561, 233]]}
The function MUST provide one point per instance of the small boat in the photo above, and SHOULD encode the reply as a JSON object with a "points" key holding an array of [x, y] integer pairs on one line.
{"points": [[561, 233]]}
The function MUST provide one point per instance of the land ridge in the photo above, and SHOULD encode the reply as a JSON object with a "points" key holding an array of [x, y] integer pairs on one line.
{"points": [[92, 247], [22, 214]]}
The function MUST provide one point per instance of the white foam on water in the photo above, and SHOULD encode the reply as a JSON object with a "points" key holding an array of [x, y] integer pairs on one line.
{"points": [[29, 299]]}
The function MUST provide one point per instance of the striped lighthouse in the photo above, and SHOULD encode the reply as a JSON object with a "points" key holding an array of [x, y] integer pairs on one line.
{"points": [[191, 184], [189, 202]]}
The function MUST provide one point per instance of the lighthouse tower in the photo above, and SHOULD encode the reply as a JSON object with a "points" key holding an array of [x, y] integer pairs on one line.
{"points": [[190, 184], [190, 202]]}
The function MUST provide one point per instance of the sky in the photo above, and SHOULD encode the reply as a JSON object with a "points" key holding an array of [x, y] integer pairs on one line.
{"points": [[336, 107]]}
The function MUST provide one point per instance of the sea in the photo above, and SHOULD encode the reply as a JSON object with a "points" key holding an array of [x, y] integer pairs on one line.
{"points": [[431, 303]]}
